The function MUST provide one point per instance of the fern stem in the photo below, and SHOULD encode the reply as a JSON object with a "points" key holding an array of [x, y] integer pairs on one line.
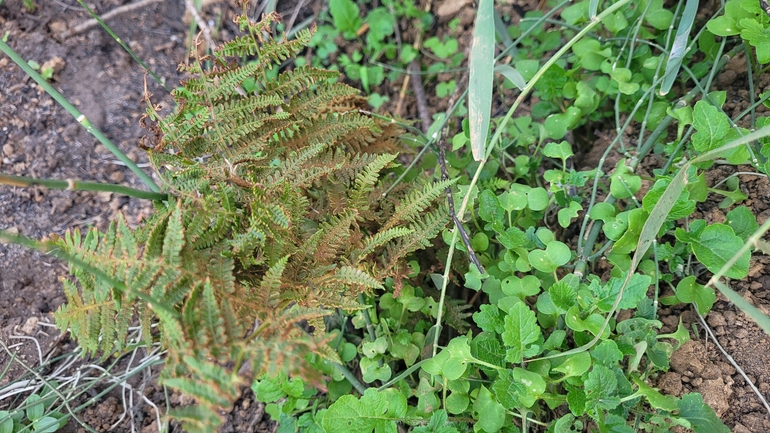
{"points": [[77, 185], [80, 117], [350, 377]]}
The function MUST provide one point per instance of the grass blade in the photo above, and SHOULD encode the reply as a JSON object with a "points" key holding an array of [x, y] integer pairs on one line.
{"points": [[679, 49], [481, 77], [511, 74]]}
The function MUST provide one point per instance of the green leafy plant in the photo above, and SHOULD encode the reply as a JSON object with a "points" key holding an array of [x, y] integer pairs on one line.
{"points": [[274, 216], [749, 20], [34, 418]]}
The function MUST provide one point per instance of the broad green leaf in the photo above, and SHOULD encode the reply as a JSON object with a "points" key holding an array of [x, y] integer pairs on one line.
{"points": [[46, 424], [716, 245], [381, 24], [556, 254], [375, 411], [521, 331], [682, 208], [35, 407], [563, 296], [488, 413], [682, 335], [576, 398], [529, 285], [518, 388], [655, 398], [371, 370], [561, 150], [607, 353], [438, 423], [567, 214], [601, 388], [457, 402], [758, 36], [624, 183], [602, 212], [711, 125], [700, 415], [6, 422], [345, 15], [489, 318], [657, 15], [487, 347], [743, 222], [689, 291], [537, 199], [489, 207], [482, 65], [575, 365], [452, 361], [636, 289]]}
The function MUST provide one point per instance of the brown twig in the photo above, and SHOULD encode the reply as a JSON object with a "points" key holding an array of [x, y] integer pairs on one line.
{"points": [[290, 23], [458, 224], [201, 24], [107, 16], [419, 94], [402, 94]]}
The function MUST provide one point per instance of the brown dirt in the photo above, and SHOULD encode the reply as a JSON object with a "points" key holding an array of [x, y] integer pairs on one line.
{"points": [[38, 138]]}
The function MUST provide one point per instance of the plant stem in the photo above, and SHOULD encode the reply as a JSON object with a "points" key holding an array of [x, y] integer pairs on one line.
{"points": [[77, 185], [80, 117], [350, 377]]}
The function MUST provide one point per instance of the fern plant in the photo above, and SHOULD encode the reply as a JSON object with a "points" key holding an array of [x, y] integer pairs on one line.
{"points": [[275, 216]]}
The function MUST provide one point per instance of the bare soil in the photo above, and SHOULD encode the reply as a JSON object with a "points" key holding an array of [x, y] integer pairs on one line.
{"points": [[38, 138]]}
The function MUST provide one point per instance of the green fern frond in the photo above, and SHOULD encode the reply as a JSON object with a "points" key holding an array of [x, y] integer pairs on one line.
{"points": [[271, 282], [348, 275], [365, 181], [297, 80], [415, 203], [378, 240]]}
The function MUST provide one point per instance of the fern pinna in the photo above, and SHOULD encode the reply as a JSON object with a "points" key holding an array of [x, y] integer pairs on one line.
{"points": [[275, 216]]}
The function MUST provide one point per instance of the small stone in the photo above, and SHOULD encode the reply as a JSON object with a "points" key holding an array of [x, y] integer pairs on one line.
{"points": [[30, 326], [716, 319], [450, 8], [57, 26], [8, 149], [117, 176], [671, 383], [104, 196]]}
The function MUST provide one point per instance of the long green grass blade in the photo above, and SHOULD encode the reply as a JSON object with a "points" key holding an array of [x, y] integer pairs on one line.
{"points": [[481, 77], [593, 7], [679, 49]]}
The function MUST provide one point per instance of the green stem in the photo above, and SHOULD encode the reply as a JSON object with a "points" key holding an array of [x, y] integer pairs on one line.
{"points": [[80, 117], [78, 185], [350, 377]]}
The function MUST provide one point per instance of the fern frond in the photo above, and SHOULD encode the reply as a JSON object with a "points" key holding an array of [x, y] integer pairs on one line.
{"points": [[379, 239], [365, 181], [415, 203]]}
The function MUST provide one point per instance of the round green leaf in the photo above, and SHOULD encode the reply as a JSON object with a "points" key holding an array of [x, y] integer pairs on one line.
{"points": [[537, 199]]}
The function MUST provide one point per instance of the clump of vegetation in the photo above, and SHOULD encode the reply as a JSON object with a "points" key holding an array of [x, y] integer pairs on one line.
{"points": [[280, 256], [275, 215]]}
